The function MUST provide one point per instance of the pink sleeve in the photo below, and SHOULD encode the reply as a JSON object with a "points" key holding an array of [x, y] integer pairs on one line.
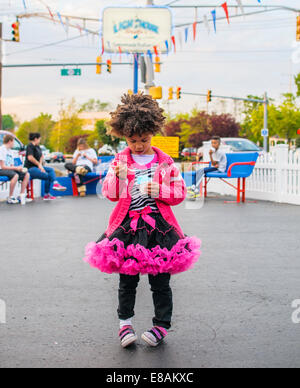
{"points": [[172, 188], [113, 187]]}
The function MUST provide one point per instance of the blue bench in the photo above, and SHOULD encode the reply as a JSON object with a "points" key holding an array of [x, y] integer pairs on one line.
{"points": [[240, 166]]}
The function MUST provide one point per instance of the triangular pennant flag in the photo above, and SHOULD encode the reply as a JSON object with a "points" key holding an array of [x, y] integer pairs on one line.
{"points": [[155, 50], [225, 7], [206, 23], [194, 30], [60, 19], [186, 31], [214, 15], [174, 43], [149, 53], [102, 46], [167, 46], [24, 5], [50, 13]]}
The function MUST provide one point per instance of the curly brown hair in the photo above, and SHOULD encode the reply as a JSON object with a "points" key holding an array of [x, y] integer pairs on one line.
{"points": [[138, 114]]}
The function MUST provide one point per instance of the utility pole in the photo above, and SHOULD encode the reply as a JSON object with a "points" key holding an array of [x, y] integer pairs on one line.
{"points": [[266, 137], [1, 75]]}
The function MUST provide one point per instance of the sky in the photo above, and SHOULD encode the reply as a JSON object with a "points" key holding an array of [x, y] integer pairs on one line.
{"points": [[252, 55]]}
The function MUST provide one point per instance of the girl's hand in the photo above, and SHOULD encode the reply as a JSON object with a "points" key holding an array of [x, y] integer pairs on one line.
{"points": [[153, 190], [121, 171]]}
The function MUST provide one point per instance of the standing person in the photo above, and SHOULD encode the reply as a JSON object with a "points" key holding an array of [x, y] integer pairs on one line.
{"points": [[13, 173], [84, 160], [35, 163], [143, 236]]}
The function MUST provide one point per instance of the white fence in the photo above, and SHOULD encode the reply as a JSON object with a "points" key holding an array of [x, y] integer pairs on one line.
{"points": [[276, 177]]}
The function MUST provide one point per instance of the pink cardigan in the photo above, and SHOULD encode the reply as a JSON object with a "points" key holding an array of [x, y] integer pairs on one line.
{"points": [[172, 190]]}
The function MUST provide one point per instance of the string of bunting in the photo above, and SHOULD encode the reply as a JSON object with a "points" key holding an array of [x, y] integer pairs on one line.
{"points": [[169, 46]]}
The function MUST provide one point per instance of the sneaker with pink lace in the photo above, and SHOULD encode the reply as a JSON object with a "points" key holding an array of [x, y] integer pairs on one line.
{"points": [[127, 336], [49, 197], [155, 336], [58, 187]]}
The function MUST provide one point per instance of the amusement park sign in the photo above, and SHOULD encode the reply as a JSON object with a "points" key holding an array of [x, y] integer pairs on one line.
{"points": [[136, 30]]}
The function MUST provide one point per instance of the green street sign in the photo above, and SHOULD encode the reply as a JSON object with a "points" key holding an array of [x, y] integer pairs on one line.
{"points": [[70, 72]]}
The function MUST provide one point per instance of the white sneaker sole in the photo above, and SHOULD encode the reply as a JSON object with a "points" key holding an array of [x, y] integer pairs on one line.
{"points": [[148, 340], [129, 341]]}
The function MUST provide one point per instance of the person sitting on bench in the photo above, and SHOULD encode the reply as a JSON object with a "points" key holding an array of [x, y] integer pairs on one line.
{"points": [[13, 173], [84, 160], [34, 161]]}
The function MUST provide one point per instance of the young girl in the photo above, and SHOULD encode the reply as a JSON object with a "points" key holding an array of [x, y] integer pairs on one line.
{"points": [[143, 236]]}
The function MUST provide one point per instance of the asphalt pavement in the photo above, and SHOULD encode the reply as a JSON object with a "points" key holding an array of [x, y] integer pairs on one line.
{"points": [[234, 309]]}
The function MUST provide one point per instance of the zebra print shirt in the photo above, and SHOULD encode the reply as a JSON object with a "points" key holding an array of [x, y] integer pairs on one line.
{"points": [[142, 176]]}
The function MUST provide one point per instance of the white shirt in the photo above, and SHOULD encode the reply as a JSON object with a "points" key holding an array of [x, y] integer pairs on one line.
{"points": [[83, 161], [143, 159], [220, 157], [6, 156]]}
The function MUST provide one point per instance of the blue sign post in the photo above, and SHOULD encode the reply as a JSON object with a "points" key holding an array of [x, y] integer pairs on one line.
{"points": [[136, 74]]}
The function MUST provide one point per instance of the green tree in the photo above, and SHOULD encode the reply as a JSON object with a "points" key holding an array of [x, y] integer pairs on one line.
{"points": [[104, 137], [8, 123], [297, 82], [68, 126], [289, 121], [42, 124], [95, 106]]}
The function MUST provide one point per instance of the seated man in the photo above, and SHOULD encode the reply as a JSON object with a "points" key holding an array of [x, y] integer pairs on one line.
{"points": [[13, 173], [34, 162], [84, 160], [218, 163]]}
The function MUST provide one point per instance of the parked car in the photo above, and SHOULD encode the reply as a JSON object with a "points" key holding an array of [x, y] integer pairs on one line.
{"points": [[57, 157], [18, 149], [233, 144], [106, 150], [46, 153], [189, 152]]}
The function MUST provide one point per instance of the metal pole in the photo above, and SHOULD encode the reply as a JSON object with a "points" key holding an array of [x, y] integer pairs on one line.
{"points": [[266, 137], [136, 74]]}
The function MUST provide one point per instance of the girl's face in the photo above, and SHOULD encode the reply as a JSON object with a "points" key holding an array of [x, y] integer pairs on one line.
{"points": [[82, 147], [140, 145]]}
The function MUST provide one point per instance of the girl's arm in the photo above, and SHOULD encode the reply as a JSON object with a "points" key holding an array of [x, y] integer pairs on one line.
{"points": [[172, 188], [114, 187]]}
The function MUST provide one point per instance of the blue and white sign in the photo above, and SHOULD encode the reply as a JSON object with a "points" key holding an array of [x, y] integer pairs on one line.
{"points": [[136, 30], [265, 132]]}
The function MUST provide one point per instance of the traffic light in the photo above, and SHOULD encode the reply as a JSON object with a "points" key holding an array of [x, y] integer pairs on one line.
{"points": [[209, 96], [298, 29], [157, 64], [170, 94], [178, 93], [16, 31], [156, 92], [98, 66], [109, 65]]}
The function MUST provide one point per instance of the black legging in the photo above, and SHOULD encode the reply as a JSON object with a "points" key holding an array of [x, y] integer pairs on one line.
{"points": [[162, 298], [79, 178]]}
